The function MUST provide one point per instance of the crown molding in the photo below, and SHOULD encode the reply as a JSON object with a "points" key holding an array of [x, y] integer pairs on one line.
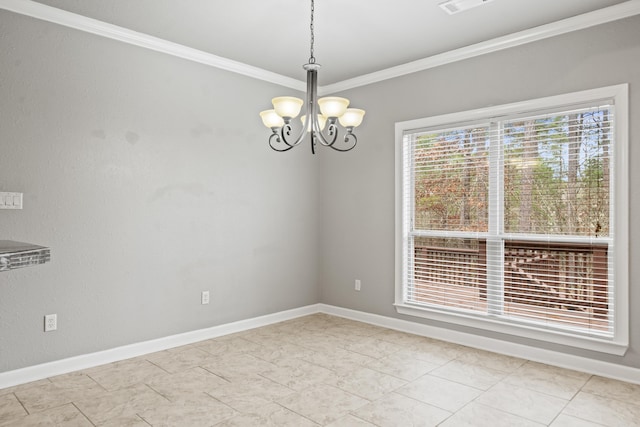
{"points": [[103, 29], [72, 20], [575, 23]]}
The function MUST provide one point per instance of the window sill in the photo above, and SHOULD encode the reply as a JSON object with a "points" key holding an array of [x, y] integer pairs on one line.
{"points": [[602, 345]]}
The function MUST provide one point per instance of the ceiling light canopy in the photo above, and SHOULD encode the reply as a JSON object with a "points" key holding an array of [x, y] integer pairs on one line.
{"points": [[324, 111]]}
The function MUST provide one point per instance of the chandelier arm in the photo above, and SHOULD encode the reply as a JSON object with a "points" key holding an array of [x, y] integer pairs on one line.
{"points": [[286, 131], [278, 139], [347, 137], [332, 134]]}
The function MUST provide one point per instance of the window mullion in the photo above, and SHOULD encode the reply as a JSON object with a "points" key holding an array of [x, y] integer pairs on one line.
{"points": [[495, 245], [409, 213]]}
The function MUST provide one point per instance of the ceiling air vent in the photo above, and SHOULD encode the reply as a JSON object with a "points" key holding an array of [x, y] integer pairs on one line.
{"points": [[455, 6]]}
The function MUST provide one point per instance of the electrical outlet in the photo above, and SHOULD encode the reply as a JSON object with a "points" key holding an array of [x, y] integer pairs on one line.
{"points": [[10, 200], [358, 284], [205, 297], [50, 322]]}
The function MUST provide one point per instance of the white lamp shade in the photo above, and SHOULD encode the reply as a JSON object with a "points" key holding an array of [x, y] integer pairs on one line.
{"points": [[322, 121], [271, 119], [332, 106], [287, 106], [352, 117]]}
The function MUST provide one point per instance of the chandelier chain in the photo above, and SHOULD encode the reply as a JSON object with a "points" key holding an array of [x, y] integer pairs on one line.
{"points": [[312, 59]]}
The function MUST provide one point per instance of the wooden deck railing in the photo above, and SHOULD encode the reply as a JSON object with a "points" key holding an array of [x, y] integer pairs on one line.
{"points": [[558, 276], [452, 266]]}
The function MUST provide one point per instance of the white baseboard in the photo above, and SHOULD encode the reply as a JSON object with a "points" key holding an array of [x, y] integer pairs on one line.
{"points": [[59, 367], [549, 357]]}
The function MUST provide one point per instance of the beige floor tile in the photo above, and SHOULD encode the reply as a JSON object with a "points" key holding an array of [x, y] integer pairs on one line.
{"points": [[120, 403], [180, 348], [298, 374], [126, 421], [320, 341], [322, 403], [350, 421], [402, 367], [555, 370], [267, 335], [396, 410], [523, 402], [491, 360], [271, 415], [569, 421], [373, 347], [125, 373], [274, 352], [280, 333], [430, 348], [177, 360], [367, 383], [227, 345], [236, 366], [301, 325], [429, 353], [249, 393], [551, 380], [359, 328], [177, 386], [313, 320], [471, 375], [340, 361], [10, 407], [601, 410], [76, 384], [400, 338], [58, 391], [476, 415], [353, 330], [66, 415], [197, 410], [20, 387], [444, 394], [613, 389], [44, 397]]}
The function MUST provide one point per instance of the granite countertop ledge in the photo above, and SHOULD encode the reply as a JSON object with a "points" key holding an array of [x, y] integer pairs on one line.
{"points": [[19, 254]]}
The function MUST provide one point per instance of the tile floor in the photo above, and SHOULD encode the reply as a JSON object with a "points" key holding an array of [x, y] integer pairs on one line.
{"points": [[322, 370]]}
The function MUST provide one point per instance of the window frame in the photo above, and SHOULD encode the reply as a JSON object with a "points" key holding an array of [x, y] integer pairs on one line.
{"points": [[616, 345]]}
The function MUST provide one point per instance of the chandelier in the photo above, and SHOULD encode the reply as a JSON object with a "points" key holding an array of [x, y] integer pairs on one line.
{"points": [[332, 110]]}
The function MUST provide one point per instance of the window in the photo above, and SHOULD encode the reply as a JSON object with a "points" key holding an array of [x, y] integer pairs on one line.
{"points": [[515, 218]]}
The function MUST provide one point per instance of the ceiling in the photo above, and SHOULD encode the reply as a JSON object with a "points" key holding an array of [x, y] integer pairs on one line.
{"points": [[352, 37]]}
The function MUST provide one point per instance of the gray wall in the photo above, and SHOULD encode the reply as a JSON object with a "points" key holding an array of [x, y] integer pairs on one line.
{"points": [[151, 180], [357, 191]]}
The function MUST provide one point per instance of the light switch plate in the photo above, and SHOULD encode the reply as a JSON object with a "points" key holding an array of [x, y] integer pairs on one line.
{"points": [[10, 200]]}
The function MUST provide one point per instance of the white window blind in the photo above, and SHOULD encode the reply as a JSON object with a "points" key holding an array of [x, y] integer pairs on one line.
{"points": [[510, 218]]}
